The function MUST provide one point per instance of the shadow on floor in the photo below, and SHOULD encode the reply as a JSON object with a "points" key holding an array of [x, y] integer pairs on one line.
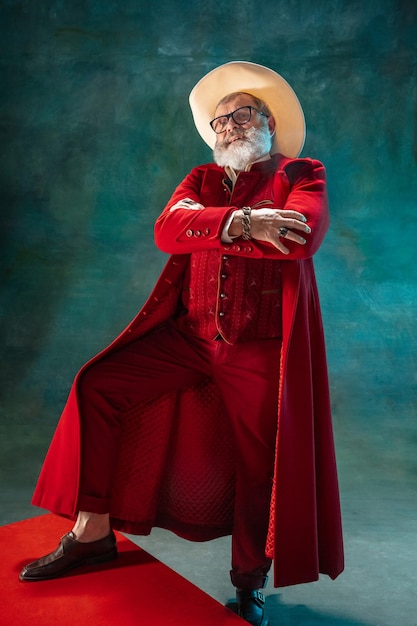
{"points": [[280, 614], [300, 615]]}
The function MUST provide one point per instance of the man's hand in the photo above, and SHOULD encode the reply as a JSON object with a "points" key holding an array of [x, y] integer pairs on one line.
{"points": [[266, 225]]}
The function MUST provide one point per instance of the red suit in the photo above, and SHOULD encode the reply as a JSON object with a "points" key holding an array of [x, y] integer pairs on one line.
{"points": [[172, 446]]}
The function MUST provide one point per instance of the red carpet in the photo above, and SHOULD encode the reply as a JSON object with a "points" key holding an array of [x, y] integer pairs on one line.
{"points": [[134, 589]]}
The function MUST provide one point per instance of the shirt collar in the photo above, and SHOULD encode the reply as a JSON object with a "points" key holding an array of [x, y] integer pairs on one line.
{"points": [[233, 174]]}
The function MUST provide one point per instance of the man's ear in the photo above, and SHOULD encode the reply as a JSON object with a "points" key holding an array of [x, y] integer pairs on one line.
{"points": [[271, 125]]}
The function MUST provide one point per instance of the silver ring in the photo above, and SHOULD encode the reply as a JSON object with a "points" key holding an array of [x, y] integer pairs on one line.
{"points": [[283, 232]]}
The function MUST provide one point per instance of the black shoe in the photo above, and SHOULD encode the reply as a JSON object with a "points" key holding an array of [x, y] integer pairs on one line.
{"points": [[250, 606]]}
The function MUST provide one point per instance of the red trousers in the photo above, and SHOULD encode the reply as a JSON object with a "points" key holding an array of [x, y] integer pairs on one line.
{"points": [[246, 375]]}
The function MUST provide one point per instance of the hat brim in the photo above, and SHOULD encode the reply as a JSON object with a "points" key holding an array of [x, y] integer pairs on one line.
{"points": [[261, 82]]}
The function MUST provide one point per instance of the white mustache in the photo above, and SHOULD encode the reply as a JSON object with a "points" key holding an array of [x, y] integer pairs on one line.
{"points": [[242, 134]]}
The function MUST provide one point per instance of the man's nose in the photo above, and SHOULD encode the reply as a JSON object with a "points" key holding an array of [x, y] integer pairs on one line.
{"points": [[231, 124]]}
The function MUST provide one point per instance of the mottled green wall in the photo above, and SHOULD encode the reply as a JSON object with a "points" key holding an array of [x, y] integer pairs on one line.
{"points": [[96, 132]]}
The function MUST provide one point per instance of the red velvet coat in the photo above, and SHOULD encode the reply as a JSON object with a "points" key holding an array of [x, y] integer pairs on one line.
{"points": [[180, 474]]}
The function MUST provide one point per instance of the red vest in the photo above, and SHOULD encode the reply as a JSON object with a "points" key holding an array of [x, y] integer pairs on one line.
{"points": [[234, 297], [238, 298]]}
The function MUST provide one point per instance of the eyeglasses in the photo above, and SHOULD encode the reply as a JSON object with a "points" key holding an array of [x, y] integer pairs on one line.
{"points": [[240, 116]]}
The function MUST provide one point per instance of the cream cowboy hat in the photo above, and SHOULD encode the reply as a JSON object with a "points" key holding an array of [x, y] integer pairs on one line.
{"points": [[261, 82]]}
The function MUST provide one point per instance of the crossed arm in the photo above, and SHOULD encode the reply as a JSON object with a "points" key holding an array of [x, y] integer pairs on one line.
{"points": [[189, 223]]}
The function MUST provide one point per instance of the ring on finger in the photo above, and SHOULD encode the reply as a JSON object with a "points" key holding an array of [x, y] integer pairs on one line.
{"points": [[283, 232]]}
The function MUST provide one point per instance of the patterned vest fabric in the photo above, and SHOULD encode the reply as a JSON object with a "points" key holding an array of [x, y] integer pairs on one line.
{"points": [[234, 297]]}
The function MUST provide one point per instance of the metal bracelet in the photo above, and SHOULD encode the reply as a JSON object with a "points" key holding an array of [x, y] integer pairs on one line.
{"points": [[246, 223]]}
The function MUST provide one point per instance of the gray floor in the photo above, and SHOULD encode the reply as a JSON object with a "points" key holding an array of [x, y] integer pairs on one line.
{"points": [[378, 587]]}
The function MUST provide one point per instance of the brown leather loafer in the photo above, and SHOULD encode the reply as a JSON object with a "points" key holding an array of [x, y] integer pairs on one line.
{"points": [[70, 554]]}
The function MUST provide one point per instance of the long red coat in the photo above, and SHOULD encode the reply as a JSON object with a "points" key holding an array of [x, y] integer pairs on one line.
{"points": [[175, 467]]}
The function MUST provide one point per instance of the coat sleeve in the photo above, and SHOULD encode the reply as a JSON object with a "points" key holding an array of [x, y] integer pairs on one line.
{"points": [[305, 180], [308, 195], [186, 225]]}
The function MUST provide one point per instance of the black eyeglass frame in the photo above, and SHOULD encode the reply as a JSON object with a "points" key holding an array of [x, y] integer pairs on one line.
{"points": [[232, 115]]}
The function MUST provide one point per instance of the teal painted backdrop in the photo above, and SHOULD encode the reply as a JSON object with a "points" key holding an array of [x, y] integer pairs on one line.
{"points": [[96, 132]]}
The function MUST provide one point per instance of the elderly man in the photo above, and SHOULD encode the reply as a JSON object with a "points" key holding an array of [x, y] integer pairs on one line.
{"points": [[210, 414]]}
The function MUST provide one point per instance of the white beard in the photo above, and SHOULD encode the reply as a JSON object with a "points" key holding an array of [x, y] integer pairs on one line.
{"points": [[239, 154]]}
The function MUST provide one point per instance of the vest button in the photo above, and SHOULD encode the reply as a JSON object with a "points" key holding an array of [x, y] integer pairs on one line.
{"points": [[224, 275], [189, 233], [222, 295], [225, 257], [221, 314]]}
